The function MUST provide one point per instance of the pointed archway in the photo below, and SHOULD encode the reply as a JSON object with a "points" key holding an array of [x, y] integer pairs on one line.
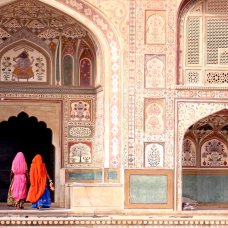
{"points": [[205, 163], [26, 134]]}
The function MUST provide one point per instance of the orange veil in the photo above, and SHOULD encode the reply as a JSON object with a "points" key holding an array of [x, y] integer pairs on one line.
{"points": [[38, 179]]}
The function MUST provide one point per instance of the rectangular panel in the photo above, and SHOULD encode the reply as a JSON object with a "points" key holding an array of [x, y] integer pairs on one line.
{"points": [[155, 27], [194, 41], [154, 188], [207, 187], [111, 175], [84, 175], [148, 188]]}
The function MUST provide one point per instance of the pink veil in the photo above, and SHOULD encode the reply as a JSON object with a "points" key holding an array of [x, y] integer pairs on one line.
{"points": [[19, 164], [19, 184]]}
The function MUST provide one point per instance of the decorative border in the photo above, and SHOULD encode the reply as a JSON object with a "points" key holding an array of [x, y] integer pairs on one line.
{"points": [[110, 221], [130, 145], [103, 25]]}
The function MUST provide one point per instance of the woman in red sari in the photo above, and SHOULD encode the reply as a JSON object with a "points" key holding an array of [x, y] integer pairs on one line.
{"points": [[18, 187], [38, 193]]}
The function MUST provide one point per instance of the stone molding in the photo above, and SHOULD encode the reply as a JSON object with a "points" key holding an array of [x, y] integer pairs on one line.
{"points": [[109, 221]]}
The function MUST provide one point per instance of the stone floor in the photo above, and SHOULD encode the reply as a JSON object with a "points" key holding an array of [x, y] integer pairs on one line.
{"points": [[61, 217]]}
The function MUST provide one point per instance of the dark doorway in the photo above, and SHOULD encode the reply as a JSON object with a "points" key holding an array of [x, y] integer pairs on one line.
{"points": [[28, 135]]}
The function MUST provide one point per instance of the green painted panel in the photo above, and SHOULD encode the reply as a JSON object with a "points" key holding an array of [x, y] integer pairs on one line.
{"points": [[85, 176], [206, 188], [113, 175], [148, 188]]}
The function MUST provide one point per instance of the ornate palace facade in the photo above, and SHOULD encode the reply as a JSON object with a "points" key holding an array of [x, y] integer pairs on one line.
{"points": [[126, 100]]}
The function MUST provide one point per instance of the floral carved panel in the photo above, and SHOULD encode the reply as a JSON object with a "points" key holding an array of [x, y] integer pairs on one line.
{"points": [[154, 116], [153, 153], [155, 27], [81, 110], [189, 153], [154, 71], [214, 153], [80, 152]]}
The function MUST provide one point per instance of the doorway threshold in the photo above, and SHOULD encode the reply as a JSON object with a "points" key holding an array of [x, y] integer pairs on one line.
{"points": [[10, 211]]}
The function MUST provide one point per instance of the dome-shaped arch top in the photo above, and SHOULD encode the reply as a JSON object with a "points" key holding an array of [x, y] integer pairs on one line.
{"points": [[58, 32], [205, 162]]}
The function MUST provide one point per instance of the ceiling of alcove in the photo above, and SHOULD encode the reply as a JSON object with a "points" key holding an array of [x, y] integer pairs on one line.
{"points": [[215, 122], [40, 19]]}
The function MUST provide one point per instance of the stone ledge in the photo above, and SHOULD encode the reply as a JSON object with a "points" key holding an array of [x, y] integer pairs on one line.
{"points": [[111, 221]]}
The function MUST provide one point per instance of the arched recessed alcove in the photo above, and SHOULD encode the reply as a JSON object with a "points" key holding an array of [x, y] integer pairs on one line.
{"points": [[205, 163], [26, 134]]}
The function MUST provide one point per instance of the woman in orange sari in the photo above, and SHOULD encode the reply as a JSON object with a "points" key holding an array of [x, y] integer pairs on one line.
{"points": [[18, 187], [38, 193]]}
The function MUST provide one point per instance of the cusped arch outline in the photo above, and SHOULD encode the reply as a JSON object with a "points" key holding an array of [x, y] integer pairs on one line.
{"points": [[187, 114]]}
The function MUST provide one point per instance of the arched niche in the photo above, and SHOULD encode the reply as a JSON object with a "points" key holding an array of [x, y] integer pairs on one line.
{"points": [[85, 72], [203, 182], [108, 81], [187, 114], [108, 73], [189, 152], [68, 70]]}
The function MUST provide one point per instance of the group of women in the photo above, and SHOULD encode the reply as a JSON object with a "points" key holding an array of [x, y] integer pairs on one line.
{"points": [[38, 192]]}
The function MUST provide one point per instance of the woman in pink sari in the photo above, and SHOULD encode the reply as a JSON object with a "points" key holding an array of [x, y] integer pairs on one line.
{"points": [[18, 187]]}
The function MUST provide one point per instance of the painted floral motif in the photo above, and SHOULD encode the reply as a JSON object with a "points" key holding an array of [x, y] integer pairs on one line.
{"points": [[214, 153], [80, 111], [6, 68], [153, 155], [189, 153], [80, 153], [40, 68], [154, 117]]}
